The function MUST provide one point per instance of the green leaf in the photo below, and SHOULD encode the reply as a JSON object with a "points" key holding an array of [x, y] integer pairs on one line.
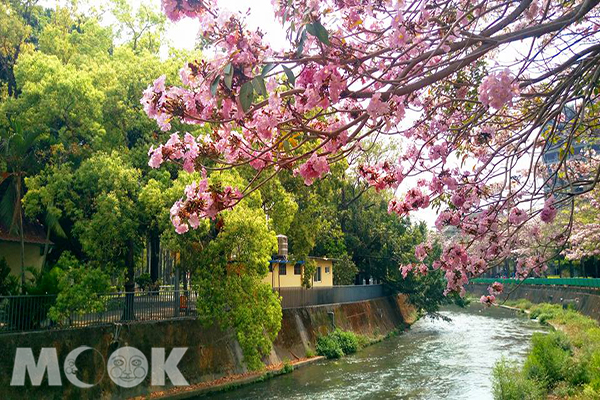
{"points": [[287, 146], [290, 75], [318, 30], [266, 69], [228, 79], [246, 96], [301, 42], [227, 69], [259, 85], [214, 85]]}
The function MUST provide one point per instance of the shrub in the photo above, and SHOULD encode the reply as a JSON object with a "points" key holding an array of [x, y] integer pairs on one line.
{"points": [[329, 347], [509, 383], [144, 281], [309, 352], [339, 343], [9, 284], [551, 310], [287, 367], [549, 358], [594, 371], [347, 340], [80, 290]]}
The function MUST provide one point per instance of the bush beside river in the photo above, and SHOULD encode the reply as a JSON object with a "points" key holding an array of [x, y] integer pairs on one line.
{"points": [[563, 364]]}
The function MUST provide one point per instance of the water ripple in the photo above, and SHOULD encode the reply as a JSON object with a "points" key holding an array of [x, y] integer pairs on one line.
{"points": [[434, 360]]}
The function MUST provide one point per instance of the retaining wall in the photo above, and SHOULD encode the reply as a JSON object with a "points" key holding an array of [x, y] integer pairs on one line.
{"points": [[211, 354], [585, 300]]}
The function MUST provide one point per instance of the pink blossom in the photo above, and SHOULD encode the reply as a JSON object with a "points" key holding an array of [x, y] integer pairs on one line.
{"points": [[549, 211], [156, 156], [517, 216], [458, 199], [488, 300], [177, 9], [377, 107], [496, 288], [421, 251], [498, 89], [314, 168]]}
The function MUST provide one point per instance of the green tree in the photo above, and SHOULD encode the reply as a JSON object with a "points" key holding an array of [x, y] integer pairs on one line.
{"points": [[229, 278], [17, 148]]}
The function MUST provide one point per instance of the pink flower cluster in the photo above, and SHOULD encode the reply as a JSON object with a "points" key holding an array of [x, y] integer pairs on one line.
{"points": [[421, 250], [315, 167], [177, 9], [517, 216], [201, 201], [495, 288], [420, 269], [383, 175], [413, 200], [549, 211], [175, 150], [488, 300], [530, 266], [498, 89]]}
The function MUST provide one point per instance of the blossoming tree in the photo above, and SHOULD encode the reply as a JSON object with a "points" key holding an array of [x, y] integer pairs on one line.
{"points": [[475, 90]]}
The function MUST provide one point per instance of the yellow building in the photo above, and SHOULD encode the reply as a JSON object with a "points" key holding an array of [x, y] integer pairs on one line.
{"points": [[289, 274], [10, 247]]}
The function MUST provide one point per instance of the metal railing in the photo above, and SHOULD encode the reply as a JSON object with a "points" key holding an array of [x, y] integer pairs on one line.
{"points": [[578, 282], [292, 297], [29, 313], [26, 313]]}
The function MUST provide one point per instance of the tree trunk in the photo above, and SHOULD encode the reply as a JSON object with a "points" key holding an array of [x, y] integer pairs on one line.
{"points": [[128, 311], [154, 254], [46, 247], [21, 233]]}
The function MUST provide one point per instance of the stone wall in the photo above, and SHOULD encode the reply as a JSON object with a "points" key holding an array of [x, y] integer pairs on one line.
{"points": [[211, 354], [585, 300]]}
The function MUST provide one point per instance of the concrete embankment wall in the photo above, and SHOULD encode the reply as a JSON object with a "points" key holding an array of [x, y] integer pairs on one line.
{"points": [[585, 300], [211, 354]]}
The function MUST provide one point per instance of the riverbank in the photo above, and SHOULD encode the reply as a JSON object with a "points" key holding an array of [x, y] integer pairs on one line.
{"points": [[563, 364], [213, 356], [450, 357], [230, 382], [237, 381]]}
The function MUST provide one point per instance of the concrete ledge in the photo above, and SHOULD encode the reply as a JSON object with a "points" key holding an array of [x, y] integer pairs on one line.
{"points": [[228, 383]]}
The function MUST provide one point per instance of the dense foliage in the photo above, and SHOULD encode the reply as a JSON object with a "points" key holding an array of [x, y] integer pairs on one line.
{"points": [[564, 363], [477, 92], [74, 139]]}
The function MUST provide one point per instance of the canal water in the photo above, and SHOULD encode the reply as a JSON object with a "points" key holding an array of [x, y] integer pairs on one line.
{"points": [[435, 359]]}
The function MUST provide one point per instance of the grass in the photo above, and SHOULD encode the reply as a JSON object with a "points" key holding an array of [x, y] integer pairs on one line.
{"points": [[564, 363]]}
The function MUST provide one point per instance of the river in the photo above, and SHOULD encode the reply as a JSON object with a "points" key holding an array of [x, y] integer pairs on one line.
{"points": [[435, 359]]}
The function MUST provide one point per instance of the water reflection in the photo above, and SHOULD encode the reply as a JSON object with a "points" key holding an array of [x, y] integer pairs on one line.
{"points": [[434, 360]]}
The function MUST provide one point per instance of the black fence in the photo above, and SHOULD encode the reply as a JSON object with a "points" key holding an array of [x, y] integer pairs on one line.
{"points": [[300, 297], [29, 313], [26, 313]]}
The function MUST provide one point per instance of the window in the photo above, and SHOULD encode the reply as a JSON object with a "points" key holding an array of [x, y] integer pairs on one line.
{"points": [[282, 270], [326, 270], [318, 275], [297, 269]]}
